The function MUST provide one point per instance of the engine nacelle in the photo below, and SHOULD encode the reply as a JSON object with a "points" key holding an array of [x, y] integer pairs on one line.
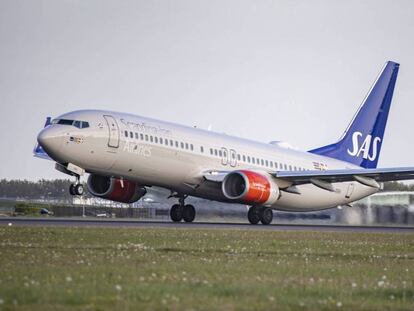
{"points": [[115, 189], [251, 188]]}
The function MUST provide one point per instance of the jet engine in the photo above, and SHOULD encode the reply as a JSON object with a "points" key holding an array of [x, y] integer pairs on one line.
{"points": [[251, 188], [115, 189]]}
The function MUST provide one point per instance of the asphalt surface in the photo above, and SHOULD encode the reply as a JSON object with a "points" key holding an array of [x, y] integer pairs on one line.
{"points": [[76, 222]]}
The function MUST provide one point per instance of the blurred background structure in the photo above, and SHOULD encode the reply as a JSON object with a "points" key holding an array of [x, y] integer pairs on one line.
{"points": [[392, 206]]}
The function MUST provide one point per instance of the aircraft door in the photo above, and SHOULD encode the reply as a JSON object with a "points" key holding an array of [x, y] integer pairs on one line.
{"points": [[349, 191], [113, 138], [233, 159], [224, 156]]}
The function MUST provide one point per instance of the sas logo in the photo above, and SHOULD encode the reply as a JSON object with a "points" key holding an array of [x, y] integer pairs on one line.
{"points": [[369, 144]]}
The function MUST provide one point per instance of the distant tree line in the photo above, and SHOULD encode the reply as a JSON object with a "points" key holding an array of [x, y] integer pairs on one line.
{"points": [[59, 188], [42, 189], [397, 186]]}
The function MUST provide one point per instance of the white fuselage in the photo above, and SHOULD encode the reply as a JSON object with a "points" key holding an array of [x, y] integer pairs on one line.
{"points": [[157, 153]]}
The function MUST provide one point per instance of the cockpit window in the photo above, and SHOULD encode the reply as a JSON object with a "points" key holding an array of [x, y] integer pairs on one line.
{"points": [[76, 123]]}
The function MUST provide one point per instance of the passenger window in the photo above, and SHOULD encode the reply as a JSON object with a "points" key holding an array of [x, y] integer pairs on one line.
{"points": [[131, 134], [176, 144], [201, 149], [126, 133], [171, 143], [262, 162], [239, 157], [156, 139], [244, 158], [253, 161], [248, 159], [215, 152], [146, 137], [136, 135], [220, 153], [161, 141], [290, 167], [191, 147], [271, 164], [275, 164], [151, 138], [182, 145], [186, 146], [267, 163], [142, 136], [166, 142], [211, 151]]}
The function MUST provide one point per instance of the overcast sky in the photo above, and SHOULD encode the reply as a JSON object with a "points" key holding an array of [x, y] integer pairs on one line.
{"points": [[266, 70]]}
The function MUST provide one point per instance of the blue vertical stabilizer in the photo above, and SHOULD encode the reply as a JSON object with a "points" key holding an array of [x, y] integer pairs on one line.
{"points": [[362, 140]]}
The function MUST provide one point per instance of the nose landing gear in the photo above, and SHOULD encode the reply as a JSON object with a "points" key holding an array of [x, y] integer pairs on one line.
{"points": [[181, 211], [77, 188]]}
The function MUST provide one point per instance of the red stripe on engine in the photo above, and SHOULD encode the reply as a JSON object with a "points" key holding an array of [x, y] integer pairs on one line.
{"points": [[258, 189]]}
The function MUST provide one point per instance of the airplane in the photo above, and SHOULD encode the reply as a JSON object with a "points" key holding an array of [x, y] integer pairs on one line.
{"points": [[124, 154]]}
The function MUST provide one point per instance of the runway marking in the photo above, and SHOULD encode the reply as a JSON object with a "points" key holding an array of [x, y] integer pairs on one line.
{"points": [[21, 221]]}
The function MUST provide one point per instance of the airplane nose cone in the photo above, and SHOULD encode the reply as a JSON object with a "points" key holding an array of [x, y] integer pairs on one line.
{"points": [[50, 140]]}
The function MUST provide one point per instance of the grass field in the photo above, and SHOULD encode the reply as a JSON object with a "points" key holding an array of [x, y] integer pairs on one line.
{"points": [[56, 268]]}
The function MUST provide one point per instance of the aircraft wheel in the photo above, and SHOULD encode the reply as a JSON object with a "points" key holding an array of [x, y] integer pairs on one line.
{"points": [[253, 215], [266, 216], [176, 213], [189, 213], [79, 189], [72, 189]]}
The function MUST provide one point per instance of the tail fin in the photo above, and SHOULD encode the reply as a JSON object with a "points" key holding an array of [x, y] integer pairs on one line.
{"points": [[362, 140]]}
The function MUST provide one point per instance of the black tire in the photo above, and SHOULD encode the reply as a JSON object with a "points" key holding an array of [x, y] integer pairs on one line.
{"points": [[72, 189], [266, 216], [253, 215], [189, 213], [79, 189], [176, 213]]}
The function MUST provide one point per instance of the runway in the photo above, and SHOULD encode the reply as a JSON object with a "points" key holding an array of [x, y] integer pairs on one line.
{"points": [[79, 222]]}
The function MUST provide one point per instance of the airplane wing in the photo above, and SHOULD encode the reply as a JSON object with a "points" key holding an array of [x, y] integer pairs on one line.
{"points": [[377, 174], [38, 150], [367, 177], [324, 179]]}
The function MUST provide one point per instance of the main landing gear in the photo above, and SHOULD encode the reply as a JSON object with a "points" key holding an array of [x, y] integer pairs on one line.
{"points": [[181, 211], [260, 213], [77, 188]]}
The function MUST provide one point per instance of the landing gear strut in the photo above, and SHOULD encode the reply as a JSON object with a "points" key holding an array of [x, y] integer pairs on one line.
{"points": [[77, 188], [181, 211], [259, 213]]}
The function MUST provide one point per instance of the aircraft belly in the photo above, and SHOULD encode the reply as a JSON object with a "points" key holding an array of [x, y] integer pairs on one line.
{"points": [[315, 198]]}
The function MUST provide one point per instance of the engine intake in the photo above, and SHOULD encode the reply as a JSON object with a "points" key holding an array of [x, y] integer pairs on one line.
{"points": [[250, 188], [115, 189]]}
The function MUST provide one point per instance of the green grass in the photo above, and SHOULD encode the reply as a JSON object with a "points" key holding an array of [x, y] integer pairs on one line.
{"points": [[56, 268]]}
